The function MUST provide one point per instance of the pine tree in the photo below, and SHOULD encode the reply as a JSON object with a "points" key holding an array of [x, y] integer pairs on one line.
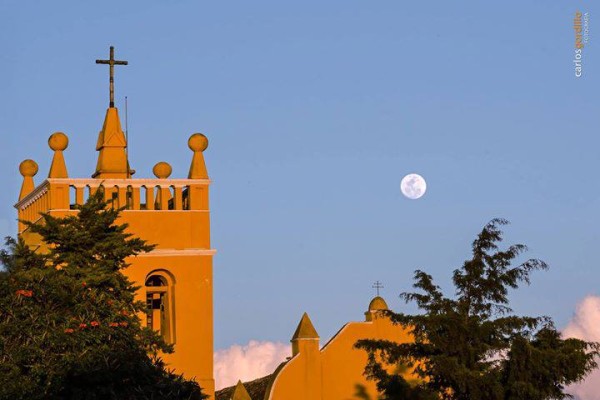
{"points": [[69, 326], [471, 346]]}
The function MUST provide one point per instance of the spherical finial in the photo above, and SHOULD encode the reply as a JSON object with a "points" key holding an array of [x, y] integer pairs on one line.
{"points": [[162, 170], [198, 142], [28, 168], [58, 141]]}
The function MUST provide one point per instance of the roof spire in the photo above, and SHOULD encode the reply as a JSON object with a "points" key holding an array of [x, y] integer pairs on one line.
{"points": [[306, 338], [112, 62], [305, 329], [240, 392], [112, 157], [112, 144]]}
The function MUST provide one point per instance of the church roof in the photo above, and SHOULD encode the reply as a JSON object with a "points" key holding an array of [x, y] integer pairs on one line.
{"points": [[305, 329]]}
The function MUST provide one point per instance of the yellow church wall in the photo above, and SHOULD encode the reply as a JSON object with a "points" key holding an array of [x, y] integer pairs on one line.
{"points": [[190, 281], [298, 379], [336, 371], [183, 251], [343, 365], [165, 229], [171, 229]]}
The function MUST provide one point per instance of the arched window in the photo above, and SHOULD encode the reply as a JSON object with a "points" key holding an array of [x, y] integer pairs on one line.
{"points": [[159, 304]]}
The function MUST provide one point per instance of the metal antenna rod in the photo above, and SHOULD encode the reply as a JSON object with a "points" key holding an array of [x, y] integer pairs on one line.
{"points": [[127, 140]]}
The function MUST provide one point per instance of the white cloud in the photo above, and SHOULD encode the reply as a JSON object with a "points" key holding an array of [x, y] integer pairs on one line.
{"points": [[585, 325], [254, 360]]}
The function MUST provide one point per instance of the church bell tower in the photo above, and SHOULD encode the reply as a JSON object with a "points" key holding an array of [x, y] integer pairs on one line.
{"points": [[175, 279]]}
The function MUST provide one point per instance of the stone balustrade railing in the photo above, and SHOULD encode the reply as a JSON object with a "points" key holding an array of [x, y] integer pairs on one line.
{"points": [[131, 194]]}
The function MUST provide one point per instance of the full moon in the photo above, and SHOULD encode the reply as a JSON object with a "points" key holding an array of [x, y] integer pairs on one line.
{"points": [[413, 186]]}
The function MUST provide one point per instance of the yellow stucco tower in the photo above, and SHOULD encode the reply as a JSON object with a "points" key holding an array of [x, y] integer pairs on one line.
{"points": [[175, 279]]}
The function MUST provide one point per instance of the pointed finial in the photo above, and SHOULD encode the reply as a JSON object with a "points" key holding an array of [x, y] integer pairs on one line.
{"points": [[112, 157], [58, 142], [305, 329], [162, 170], [306, 338], [198, 143], [240, 392], [28, 169]]}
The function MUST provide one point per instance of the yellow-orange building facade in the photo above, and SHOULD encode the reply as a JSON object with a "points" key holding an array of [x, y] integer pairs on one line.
{"points": [[176, 277], [332, 372]]}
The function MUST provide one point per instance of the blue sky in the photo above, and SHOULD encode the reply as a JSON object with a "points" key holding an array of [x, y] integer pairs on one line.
{"points": [[315, 111]]}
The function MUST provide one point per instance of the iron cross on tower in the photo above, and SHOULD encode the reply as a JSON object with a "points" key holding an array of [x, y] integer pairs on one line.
{"points": [[112, 62], [377, 285]]}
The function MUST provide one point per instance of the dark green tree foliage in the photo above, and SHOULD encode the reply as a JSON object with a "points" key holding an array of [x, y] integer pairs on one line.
{"points": [[470, 346], [68, 320]]}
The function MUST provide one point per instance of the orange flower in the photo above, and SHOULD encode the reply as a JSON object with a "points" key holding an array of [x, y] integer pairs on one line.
{"points": [[83, 284], [24, 293], [95, 323], [82, 326], [69, 330], [123, 323], [113, 324], [124, 312], [110, 302]]}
